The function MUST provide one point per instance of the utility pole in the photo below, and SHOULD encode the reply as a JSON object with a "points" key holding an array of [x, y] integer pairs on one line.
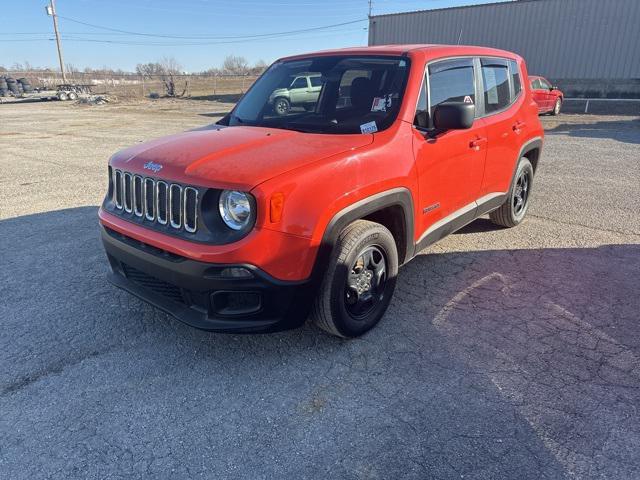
{"points": [[371, 24], [51, 11]]}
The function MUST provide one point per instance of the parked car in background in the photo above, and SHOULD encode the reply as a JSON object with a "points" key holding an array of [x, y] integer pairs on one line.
{"points": [[303, 91], [265, 218], [548, 97]]}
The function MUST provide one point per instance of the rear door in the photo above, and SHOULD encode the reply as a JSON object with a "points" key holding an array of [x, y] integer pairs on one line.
{"points": [[449, 164], [505, 123]]}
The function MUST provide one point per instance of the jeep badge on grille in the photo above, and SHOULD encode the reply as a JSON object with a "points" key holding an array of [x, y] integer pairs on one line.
{"points": [[154, 167]]}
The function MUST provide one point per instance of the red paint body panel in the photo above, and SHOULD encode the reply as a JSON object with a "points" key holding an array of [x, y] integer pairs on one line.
{"points": [[322, 174]]}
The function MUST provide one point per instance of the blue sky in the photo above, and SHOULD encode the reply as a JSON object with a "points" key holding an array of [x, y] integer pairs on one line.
{"points": [[26, 31]]}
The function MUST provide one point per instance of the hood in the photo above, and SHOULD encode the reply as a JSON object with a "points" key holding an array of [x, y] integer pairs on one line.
{"points": [[232, 157]]}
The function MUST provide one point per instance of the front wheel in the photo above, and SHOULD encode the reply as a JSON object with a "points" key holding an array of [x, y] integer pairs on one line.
{"points": [[281, 106], [514, 209], [359, 281]]}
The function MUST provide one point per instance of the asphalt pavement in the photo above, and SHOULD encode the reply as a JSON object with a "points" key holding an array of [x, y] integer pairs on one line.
{"points": [[505, 353]]}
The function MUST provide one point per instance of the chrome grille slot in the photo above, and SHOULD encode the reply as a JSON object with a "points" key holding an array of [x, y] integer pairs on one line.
{"points": [[117, 190], [175, 204], [128, 194], [149, 197], [137, 195], [190, 212], [155, 201], [161, 202]]}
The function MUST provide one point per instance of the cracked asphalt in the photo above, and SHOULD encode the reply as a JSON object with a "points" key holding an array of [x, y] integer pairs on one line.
{"points": [[505, 354]]}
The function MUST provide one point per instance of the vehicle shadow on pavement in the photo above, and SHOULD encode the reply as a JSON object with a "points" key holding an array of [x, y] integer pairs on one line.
{"points": [[626, 131], [491, 364]]}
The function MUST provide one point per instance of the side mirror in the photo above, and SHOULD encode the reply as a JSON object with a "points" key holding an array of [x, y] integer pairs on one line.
{"points": [[454, 116]]}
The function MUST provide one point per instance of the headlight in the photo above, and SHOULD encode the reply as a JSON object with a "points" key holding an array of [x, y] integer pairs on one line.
{"points": [[235, 209]]}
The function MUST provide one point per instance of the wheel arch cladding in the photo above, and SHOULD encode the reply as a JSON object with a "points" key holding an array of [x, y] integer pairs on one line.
{"points": [[532, 150], [392, 208]]}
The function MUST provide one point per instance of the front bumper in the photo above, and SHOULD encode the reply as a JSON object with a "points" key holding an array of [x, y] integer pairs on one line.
{"points": [[196, 292]]}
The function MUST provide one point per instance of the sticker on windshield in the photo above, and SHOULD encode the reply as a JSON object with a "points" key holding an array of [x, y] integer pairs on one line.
{"points": [[468, 99], [380, 104], [369, 127]]}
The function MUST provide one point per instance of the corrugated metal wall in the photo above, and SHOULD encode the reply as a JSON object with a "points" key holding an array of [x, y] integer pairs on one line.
{"points": [[571, 39]]}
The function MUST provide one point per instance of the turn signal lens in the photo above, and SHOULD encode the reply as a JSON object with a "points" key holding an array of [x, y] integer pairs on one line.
{"points": [[276, 206]]}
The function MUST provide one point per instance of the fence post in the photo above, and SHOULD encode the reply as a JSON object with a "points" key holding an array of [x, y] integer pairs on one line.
{"points": [[215, 83], [142, 79], [242, 84]]}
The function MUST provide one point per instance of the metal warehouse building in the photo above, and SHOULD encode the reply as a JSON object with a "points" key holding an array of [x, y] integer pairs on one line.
{"points": [[587, 47]]}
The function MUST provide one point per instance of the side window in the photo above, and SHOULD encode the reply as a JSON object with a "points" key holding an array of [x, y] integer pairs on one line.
{"points": [[316, 81], [300, 82], [495, 75], [544, 84], [451, 81], [515, 76], [535, 85]]}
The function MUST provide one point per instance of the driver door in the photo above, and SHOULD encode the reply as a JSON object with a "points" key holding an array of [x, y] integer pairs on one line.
{"points": [[298, 91], [450, 164]]}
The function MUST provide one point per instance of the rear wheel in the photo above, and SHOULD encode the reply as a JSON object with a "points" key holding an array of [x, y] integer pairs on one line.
{"points": [[73, 96], [557, 107], [62, 96], [359, 281], [514, 209]]}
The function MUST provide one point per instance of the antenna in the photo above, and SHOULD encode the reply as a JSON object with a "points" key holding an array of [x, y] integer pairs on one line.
{"points": [[459, 36]]}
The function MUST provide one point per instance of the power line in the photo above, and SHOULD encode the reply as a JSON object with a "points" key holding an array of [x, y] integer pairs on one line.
{"points": [[201, 37]]}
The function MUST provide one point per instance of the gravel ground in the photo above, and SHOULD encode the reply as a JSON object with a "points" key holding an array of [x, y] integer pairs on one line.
{"points": [[504, 354]]}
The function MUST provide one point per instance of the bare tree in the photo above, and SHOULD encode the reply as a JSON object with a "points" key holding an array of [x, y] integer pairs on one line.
{"points": [[235, 65], [166, 69], [259, 67]]}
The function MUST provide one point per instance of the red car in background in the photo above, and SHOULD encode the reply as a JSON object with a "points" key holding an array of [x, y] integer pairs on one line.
{"points": [[548, 97]]}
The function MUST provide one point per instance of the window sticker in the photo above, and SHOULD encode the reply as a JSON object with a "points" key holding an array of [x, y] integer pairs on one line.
{"points": [[468, 99], [380, 104], [369, 127]]}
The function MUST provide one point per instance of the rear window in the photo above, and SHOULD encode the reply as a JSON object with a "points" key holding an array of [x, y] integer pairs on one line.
{"points": [[495, 75]]}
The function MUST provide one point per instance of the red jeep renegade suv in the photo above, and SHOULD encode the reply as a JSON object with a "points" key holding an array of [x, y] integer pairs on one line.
{"points": [[264, 219]]}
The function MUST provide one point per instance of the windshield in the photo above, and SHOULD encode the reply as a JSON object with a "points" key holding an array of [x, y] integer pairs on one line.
{"points": [[325, 94]]}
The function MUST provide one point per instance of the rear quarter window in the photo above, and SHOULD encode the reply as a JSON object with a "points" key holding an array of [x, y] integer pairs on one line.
{"points": [[515, 77], [495, 76]]}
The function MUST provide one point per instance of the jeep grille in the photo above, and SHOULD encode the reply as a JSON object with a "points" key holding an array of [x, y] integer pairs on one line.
{"points": [[155, 200]]}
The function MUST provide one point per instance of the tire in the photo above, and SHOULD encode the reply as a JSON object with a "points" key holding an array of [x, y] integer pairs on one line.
{"points": [[281, 106], [73, 96], [339, 308], [557, 107], [514, 209], [62, 96]]}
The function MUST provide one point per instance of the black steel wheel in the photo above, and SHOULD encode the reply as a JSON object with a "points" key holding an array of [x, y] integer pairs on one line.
{"points": [[514, 209], [365, 283], [359, 281]]}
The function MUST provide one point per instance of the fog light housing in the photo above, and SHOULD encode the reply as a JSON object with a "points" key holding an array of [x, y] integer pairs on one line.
{"points": [[236, 303], [236, 272]]}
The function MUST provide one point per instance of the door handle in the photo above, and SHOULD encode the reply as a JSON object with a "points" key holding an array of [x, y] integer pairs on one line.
{"points": [[477, 143], [519, 126]]}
